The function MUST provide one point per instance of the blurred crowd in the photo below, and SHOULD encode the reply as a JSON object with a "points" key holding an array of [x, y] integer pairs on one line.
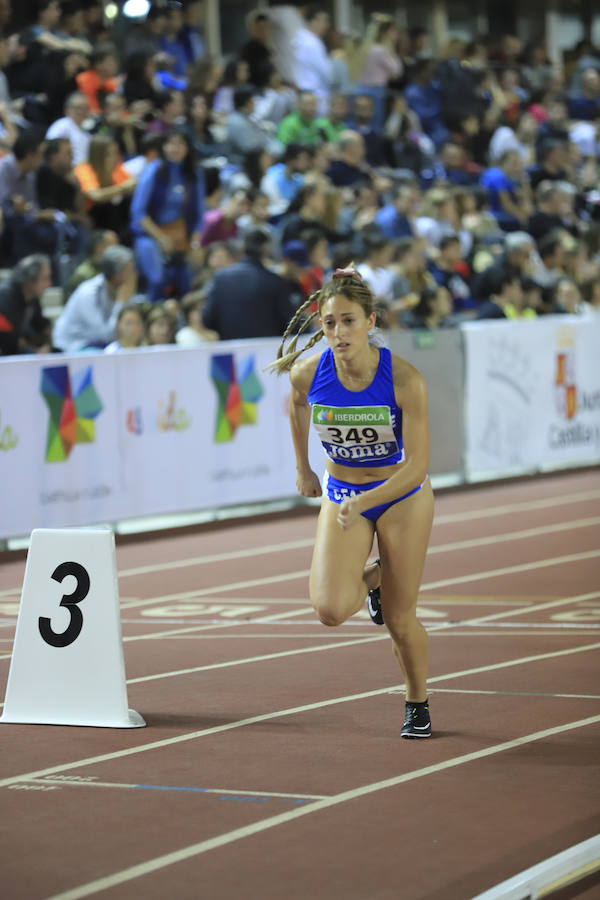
{"points": [[170, 197]]}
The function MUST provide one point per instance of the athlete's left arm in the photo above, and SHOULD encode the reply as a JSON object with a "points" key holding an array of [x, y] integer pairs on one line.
{"points": [[411, 397]]}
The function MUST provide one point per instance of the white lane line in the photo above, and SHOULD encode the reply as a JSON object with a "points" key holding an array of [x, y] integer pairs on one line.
{"points": [[546, 503], [278, 714], [514, 535], [487, 512], [76, 782], [431, 585], [230, 837], [442, 626], [516, 694], [511, 570], [251, 659]]}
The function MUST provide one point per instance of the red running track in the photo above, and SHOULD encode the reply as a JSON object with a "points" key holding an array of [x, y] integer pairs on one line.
{"points": [[272, 765]]}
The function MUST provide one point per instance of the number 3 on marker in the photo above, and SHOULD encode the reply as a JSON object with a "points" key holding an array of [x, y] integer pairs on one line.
{"points": [[70, 601]]}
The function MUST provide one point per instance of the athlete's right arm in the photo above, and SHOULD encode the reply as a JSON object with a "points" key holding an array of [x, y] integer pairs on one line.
{"points": [[301, 376]]}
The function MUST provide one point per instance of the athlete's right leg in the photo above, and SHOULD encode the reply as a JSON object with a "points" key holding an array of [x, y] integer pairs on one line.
{"points": [[337, 586]]}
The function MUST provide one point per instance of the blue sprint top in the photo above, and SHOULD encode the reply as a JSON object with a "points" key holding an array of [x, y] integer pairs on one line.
{"points": [[357, 428]]}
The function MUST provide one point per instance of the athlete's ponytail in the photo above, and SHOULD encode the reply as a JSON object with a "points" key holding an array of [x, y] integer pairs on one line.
{"points": [[343, 281]]}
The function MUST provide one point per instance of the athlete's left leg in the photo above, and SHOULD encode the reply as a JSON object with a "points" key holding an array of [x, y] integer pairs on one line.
{"points": [[403, 535]]}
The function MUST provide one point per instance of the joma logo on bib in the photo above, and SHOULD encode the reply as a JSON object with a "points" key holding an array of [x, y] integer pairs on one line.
{"points": [[355, 433]]}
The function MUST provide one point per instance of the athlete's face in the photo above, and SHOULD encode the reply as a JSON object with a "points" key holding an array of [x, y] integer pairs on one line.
{"points": [[345, 325]]}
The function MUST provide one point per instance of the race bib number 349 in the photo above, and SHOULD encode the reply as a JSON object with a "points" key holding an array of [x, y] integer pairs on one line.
{"points": [[356, 433]]}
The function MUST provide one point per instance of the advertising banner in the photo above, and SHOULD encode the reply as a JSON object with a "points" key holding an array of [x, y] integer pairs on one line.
{"points": [[94, 438], [532, 394]]}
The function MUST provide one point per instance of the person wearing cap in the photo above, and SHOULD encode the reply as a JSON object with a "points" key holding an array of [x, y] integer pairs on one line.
{"points": [[369, 409]]}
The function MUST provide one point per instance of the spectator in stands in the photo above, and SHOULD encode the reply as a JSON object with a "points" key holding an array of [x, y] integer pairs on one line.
{"points": [[434, 310], [90, 316], [100, 78], [546, 215], [516, 261], [283, 180], [166, 216], [27, 228], [221, 224], [335, 123], [246, 300], [256, 51], [382, 65], [23, 328], [106, 185], [505, 295], [452, 166], [130, 329], [168, 109], [190, 35], [119, 123], [193, 333], [170, 42], [70, 126], [312, 66], [508, 192], [138, 84], [566, 298], [144, 38], [585, 103], [449, 271], [97, 243], [552, 157], [257, 217], [378, 149], [349, 167], [302, 126], [244, 135], [375, 268], [199, 127], [307, 210], [45, 31], [160, 327], [549, 267], [236, 73], [395, 218], [522, 139], [424, 98], [439, 217]]}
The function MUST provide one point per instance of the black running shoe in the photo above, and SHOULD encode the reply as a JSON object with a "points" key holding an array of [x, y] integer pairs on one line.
{"points": [[374, 602], [417, 723]]}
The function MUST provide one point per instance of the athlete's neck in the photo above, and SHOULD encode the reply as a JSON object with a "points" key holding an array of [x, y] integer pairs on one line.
{"points": [[360, 368]]}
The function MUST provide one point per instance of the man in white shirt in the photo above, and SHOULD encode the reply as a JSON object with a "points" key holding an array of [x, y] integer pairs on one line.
{"points": [[312, 70], [89, 319], [76, 110]]}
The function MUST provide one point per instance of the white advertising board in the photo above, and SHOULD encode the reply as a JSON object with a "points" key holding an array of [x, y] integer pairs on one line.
{"points": [[532, 394]]}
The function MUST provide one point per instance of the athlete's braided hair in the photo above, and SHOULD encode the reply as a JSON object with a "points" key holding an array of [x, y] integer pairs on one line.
{"points": [[343, 281]]}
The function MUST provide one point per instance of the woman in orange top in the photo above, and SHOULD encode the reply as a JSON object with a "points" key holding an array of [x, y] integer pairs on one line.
{"points": [[106, 185], [100, 77]]}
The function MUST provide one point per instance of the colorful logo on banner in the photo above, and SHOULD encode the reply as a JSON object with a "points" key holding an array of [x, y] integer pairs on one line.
{"points": [[170, 418], [133, 421], [565, 386], [73, 404], [8, 438], [238, 392]]}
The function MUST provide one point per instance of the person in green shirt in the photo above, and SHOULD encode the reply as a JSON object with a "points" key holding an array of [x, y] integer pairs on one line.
{"points": [[301, 126]]}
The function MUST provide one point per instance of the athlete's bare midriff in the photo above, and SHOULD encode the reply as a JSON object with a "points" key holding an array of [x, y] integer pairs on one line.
{"points": [[354, 475]]}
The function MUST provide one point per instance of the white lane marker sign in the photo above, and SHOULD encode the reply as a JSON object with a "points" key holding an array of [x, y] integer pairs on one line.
{"points": [[67, 666]]}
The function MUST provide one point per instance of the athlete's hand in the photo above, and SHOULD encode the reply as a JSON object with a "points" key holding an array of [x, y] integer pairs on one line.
{"points": [[308, 484], [349, 513]]}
